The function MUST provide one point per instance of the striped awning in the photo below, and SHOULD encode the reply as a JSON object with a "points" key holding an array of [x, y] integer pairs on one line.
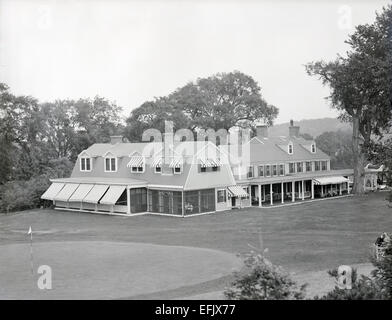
{"points": [[81, 192], [237, 191], [52, 191], [330, 180], [157, 162], [96, 193], [176, 163], [136, 161], [66, 192], [210, 162], [112, 195]]}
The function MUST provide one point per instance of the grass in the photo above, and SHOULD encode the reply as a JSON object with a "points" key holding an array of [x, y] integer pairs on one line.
{"points": [[302, 238]]}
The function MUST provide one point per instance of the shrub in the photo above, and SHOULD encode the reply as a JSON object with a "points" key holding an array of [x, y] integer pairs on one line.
{"points": [[261, 280]]}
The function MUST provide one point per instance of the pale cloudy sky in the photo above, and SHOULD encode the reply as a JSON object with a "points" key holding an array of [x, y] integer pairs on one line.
{"points": [[132, 51]]}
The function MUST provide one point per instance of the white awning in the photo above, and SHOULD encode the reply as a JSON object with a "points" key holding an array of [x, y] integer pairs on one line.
{"points": [[237, 191], [136, 161], [81, 192], [96, 193], [112, 195], [330, 180], [66, 192], [157, 162], [176, 163], [52, 191], [210, 163]]}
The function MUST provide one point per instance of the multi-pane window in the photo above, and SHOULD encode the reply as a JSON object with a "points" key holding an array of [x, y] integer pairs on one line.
{"points": [[250, 172], [291, 167], [110, 164], [85, 164], [317, 165], [313, 147], [136, 169], [308, 166], [221, 196], [261, 171], [281, 169], [275, 170], [324, 165], [267, 170], [299, 167]]}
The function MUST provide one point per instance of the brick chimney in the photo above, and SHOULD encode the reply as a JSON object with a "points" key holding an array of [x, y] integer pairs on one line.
{"points": [[262, 131], [116, 139], [293, 130]]}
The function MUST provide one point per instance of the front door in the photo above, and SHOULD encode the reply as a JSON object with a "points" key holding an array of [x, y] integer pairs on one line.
{"points": [[233, 201]]}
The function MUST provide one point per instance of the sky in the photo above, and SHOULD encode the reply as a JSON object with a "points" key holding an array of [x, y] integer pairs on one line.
{"points": [[133, 51]]}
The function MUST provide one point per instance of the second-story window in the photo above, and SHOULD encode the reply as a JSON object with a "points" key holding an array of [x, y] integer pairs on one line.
{"points": [[308, 166], [281, 169], [85, 164], [110, 164], [158, 169], [275, 170], [177, 170], [324, 165], [290, 148], [317, 165], [261, 171], [313, 148], [299, 167], [250, 172], [267, 170], [291, 167]]}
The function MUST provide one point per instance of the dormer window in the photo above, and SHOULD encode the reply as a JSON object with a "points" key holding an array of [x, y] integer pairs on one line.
{"points": [[137, 164], [110, 164], [290, 148], [313, 148], [85, 164], [177, 170]]}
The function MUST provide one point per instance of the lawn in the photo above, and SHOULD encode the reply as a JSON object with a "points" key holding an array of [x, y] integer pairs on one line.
{"points": [[308, 237]]}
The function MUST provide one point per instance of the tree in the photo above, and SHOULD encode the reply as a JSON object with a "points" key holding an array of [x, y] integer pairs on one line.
{"points": [[221, 101], [361, 86], [337, 144], [263, 281]]}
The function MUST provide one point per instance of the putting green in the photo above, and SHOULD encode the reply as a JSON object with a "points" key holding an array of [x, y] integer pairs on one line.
{"points": [[107, 270]]}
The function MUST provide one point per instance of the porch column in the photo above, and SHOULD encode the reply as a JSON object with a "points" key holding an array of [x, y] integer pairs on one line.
{"points": [[282, 193], [340, 189], [182, 204], [259, 191], [312, 189], [303, 189], [128, 200], [271, 199], [348, 190], [322, 191], [293, 191]]}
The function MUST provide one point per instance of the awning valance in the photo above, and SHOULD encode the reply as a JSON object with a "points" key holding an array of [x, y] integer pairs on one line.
{"points": [[237, 191], [96, 193], [112, 195], [52, 191], [81, 192], [66, 192], [136, 161], [330, 180]]}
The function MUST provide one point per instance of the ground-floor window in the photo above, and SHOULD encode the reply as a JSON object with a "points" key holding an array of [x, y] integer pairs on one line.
{"points": [[221, 196], [199, 201], [167, 202], [138, 200]]}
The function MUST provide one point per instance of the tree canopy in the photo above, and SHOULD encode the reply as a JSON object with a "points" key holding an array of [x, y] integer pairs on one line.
{"points": [[361, 85], [220, 101]]}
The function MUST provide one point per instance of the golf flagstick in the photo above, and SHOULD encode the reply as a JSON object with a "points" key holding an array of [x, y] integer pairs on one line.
{"points": [[30, 232]]}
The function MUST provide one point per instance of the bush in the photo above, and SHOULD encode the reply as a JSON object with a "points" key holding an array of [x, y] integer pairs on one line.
{"points": [[261, 280]]}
